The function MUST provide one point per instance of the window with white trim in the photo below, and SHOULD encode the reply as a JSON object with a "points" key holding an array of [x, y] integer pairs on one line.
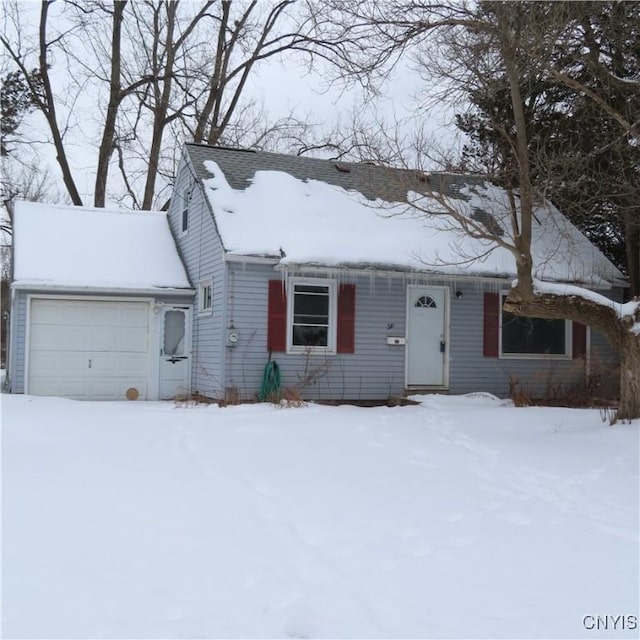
{"points": [[184, 224], [521, 336], [205, 297], [311, 324]]}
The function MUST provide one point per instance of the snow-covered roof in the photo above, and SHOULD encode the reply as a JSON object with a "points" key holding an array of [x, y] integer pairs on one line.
{"points": [[306, 211], [94, 248]]}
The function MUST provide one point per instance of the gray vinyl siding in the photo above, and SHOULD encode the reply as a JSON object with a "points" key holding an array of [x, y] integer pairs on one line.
{"points": [[603, 359], [604, 371], [202, 255], [377, 370], [601, 350], [17, 341], [374, 371]]}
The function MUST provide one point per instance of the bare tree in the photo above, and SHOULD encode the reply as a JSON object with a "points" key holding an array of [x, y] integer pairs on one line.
{"points": [[159, 71], [42, 94], [465, 46]]}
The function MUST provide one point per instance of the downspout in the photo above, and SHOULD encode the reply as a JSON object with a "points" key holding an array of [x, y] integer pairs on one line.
{"points": [[226, 320], [587, 355], [10, 321], [8, 317]]}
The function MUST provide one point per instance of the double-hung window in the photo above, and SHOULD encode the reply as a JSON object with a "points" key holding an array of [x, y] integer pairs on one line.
{"points": [[205, 297], [311, 322], [521, 336], [184, 222]]}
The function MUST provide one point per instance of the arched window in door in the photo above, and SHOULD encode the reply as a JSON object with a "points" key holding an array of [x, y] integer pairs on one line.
{"points": [[426, 302]]}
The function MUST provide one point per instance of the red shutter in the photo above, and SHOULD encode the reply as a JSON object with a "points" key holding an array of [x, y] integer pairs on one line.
{"points": [[346, 318], [277, 317], [490, 346], [579, 340]]}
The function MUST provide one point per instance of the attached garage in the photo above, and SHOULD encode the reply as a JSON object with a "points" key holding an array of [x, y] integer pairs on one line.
{"points": [[83, 349], [101, 305]]}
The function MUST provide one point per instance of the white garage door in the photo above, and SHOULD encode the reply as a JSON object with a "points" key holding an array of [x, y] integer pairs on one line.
{"points": [[88, 349]]}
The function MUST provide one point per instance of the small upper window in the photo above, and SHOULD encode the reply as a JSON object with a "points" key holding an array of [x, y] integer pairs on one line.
{"points": [[205, 297], [426, 301], [185, 210], [312, 315], [534, 337]]}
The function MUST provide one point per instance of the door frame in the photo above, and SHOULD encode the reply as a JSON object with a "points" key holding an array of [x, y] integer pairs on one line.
{"points": [[445, 319], [189, 315], [151, 362]]}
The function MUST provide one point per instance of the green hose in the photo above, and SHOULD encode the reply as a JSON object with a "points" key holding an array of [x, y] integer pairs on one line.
{"points": [[270, 389]]}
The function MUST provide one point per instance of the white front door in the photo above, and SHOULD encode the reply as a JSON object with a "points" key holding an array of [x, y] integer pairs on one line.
{"points": [[175, 347], [426, 349]]}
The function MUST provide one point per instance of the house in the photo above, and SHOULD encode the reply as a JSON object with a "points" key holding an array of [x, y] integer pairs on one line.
{"points": [[100, 305], [310, 263], [317, 265]]}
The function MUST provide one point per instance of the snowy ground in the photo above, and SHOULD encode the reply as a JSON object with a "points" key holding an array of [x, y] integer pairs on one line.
{"points": [[457, 518]]}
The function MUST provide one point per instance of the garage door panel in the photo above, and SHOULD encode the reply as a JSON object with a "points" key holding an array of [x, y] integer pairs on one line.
{"points": [[49, 337], [116, 389], [134, 316], [105, 364], [53, 363], [82, 389], [133, 339], [88, 349], [89, 313], [77, 338], [67, 388], [50, 312], [125, 340]]}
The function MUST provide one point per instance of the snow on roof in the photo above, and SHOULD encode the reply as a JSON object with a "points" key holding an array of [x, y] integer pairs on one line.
{"points": [[89, 247], [307, 221]]}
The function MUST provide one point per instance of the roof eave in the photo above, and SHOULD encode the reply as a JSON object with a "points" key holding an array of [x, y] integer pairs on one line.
{"points": [[100, 289], [250, 259]]}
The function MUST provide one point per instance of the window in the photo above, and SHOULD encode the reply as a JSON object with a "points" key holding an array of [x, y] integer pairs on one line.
{"points": [[174, 332], [312, 315], [533, 337], [426, 302], [205, 297], [186, 196]]}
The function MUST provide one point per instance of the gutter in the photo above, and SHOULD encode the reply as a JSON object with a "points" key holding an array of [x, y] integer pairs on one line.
{"points": [[388, 273], [278, 265], [236, 258], [422, 275], [149, 291]]}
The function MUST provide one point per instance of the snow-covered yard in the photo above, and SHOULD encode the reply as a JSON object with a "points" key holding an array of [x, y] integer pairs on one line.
{"points": [[457, 518]]}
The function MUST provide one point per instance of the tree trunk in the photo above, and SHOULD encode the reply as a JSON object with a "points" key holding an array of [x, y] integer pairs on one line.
{"points": [[108, 134], [632, 246], [161, 101], [49, 109], [629, 407], [598, 316], [218, 75]]}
